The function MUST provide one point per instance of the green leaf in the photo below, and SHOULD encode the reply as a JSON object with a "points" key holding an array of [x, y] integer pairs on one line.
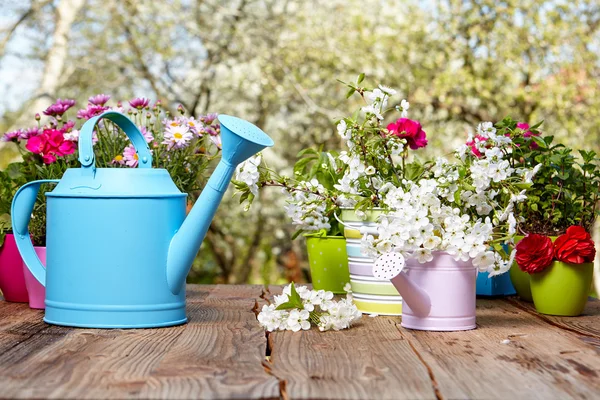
{"points": [[457, 197], [350, 93], [286, 306], [361, 78], [540, 142]]}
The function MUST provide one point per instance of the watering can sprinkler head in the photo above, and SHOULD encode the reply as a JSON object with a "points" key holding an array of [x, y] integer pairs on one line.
{"points": [[390, 266], [241, 140]]}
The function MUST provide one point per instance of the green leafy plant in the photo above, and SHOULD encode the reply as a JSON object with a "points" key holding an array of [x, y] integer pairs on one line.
{"points": [[566, 187]]}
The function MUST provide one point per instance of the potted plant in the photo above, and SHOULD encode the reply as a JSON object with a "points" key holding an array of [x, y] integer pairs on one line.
{"points": [[311, 204], [377, 153], [564, 190], [182, 145], [443, 226], [560, 270], [12, 281]]}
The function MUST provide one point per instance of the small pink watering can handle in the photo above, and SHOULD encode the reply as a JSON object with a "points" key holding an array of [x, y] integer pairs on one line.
{"points": [[86, 149], [21, 209]]}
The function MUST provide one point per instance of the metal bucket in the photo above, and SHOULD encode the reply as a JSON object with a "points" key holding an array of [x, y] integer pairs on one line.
{"points": [[371, 295], [450, 286]]}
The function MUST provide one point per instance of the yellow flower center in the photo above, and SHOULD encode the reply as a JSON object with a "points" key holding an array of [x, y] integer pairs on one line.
{"points": [[135, 156], [174, 124], [190, 123], [119, 158], [177, 135]]}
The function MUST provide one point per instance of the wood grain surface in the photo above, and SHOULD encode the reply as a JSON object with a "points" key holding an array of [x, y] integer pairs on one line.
{"points": [[223, 353]]}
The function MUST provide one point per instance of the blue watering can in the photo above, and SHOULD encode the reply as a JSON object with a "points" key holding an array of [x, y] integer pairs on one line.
{"points": [[119, 245]]}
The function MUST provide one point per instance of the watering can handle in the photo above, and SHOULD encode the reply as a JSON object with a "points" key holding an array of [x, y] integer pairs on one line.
{"points": [[363, 229], [86, 150], [21, 209]]}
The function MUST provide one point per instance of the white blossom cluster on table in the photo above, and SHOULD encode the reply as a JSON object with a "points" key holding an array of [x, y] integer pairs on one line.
{"points": [[297, 308]]}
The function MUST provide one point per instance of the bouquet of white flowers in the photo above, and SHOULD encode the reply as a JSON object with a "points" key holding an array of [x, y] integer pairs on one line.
{"points": [[464, 208], [295, 310]]}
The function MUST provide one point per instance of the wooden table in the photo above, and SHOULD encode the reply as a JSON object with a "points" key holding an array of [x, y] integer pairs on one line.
{"points": [[223, 353]]}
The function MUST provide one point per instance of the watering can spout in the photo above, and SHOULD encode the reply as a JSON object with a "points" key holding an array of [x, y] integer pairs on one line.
{"points": [[241, 140], [390, 267]]}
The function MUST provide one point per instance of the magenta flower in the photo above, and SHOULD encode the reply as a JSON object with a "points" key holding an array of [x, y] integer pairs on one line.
{"points": [[91, 111], [410, 130], [527, 133], [99, 99], [139, 103], [29, 133], [59, 107], [130, 156], [13, 136]]}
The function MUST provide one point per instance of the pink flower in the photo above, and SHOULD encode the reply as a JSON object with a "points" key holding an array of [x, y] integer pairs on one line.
{"points": [[99, 99], [130, 156], [147, 134], [410, 130], [139, 103], [193, 125], [527, 134], [118, 160], [13, 136], [59, 107], [208, 119], [50, 144], [474, 145], [217, 141], [91, 111]]}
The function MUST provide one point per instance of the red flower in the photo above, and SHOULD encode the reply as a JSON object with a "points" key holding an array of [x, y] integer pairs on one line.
{"points": [[576, 246], [410, 130], [534, 253]]}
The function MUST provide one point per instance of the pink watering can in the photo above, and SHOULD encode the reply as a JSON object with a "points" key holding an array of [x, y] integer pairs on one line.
{"points": [[438, 295]]}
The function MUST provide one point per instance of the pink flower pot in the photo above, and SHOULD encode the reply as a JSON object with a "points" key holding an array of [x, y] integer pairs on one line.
{"points": [[12, 281], [438, 295], [37, 292]]}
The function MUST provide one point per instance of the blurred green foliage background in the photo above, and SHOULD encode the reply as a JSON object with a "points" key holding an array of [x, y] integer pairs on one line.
{"points": [[275, 62]]}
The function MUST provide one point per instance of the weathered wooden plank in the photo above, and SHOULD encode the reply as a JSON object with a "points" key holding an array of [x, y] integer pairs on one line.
{"points": [[511, 355], [90, 363], [220, 352], [587, 324], [18, 323], [370, 360]]}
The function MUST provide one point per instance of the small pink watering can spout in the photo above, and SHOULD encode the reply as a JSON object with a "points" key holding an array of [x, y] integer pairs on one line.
{"points": [[390, 267]]}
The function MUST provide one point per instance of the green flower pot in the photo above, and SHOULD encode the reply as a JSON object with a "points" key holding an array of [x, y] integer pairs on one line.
{"points": [[328, 262], [562, 288], [520, 281]]}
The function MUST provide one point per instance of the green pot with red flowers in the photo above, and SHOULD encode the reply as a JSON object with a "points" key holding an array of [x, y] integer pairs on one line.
{"points": [[560, 272]]}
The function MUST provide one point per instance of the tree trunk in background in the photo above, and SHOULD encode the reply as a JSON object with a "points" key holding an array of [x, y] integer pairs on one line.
{"points": [[66, 12]]}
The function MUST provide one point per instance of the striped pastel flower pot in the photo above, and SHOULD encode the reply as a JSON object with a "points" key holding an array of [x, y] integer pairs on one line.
{"points": [[371, 295]]}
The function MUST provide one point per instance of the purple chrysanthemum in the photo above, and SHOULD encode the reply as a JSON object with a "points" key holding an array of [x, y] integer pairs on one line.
{"points": [[208, 119], [91, 111], [59, 107], [139, 103], [29, 133], [99, 99], [13, 136]]}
